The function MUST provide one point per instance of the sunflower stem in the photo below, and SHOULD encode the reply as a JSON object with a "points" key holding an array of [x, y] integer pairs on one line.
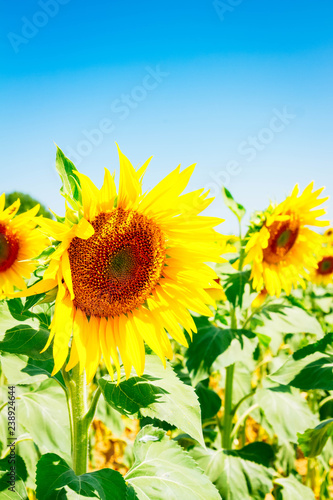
{"points": [[227, 421], [228, 412], [80, 424]]}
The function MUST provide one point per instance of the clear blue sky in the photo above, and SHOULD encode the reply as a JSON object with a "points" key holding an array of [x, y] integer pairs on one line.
{"points": [[242, 88]]}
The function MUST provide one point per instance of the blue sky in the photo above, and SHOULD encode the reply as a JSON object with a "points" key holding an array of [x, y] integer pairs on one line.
{"points": [[242, 88]]}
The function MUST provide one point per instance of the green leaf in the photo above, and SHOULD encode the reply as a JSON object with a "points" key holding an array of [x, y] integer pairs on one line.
{"points": [[258, 452], [209, 343], [312, 441], [163, 471], [23, 339], [130, 493], [54, 474], [7, 320], [68, 174], [21, 370], [5, 466], [293, 320], [234, 286], [308, 368], [293, 489], [241, 347], [210, 402], [15, 307], [44, 415], [157, 394], [234, 477], [286, 413], [235, 207], [28, 450]]}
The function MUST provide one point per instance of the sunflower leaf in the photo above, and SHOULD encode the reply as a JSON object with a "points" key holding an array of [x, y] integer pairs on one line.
{"points": [[235, 207], [312, 441], [308, 368], [212, 341], [43, 414], [160, 394], [286, 413], [163, 470], [23, 339], [68, 174], [236, 473], [54, 477], [5, 467], [234, 286], [291, 489]]}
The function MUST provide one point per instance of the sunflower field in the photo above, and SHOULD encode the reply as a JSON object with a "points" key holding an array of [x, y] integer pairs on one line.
{"points": [[145, 355]]}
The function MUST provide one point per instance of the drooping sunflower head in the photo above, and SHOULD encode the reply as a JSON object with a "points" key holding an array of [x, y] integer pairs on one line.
{"points": [[129, 267], [281, 250], [19, 242]]}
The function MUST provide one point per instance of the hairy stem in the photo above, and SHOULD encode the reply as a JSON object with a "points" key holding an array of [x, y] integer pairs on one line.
{"points": [[78, 405]]}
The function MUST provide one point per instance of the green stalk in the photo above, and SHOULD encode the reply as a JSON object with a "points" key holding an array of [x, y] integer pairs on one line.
{"points": [[227, 422], [228, 413], [78, 405], [80, 416]]}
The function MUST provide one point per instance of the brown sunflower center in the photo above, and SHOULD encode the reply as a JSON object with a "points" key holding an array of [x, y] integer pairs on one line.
{"points": [[283, 236], [115, 270], [8, 248], [325, 266]]}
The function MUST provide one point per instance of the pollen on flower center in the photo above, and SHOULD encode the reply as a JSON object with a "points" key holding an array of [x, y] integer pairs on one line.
{"points": [[325, 266], [116, 269], [8, 248], [283, 236]]}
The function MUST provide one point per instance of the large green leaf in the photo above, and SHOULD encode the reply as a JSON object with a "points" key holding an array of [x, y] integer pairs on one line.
{"points": [[30, 453], [7, 320], [240, 349], [312, 441], [5, 466], [44, 415], [286, 413], [235, 207], [21, 370], [68, 174], [163, 471], [159, 393], [210, 401], [209, 343], [234, 286], [317, 373], [23, 312], [259, 452], [54, 477], [20, 492], [23, 339], [235, 477], [293, 320], [293, 489], [308, 368]]}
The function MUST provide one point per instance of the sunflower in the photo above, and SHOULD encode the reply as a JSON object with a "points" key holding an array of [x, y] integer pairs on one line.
{"points": [[129, 270], [282, 248], [19, 242], [323, 274]]}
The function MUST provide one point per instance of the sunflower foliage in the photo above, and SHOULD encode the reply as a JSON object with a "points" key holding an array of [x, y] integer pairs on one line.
{"points": [[243, 407]]}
